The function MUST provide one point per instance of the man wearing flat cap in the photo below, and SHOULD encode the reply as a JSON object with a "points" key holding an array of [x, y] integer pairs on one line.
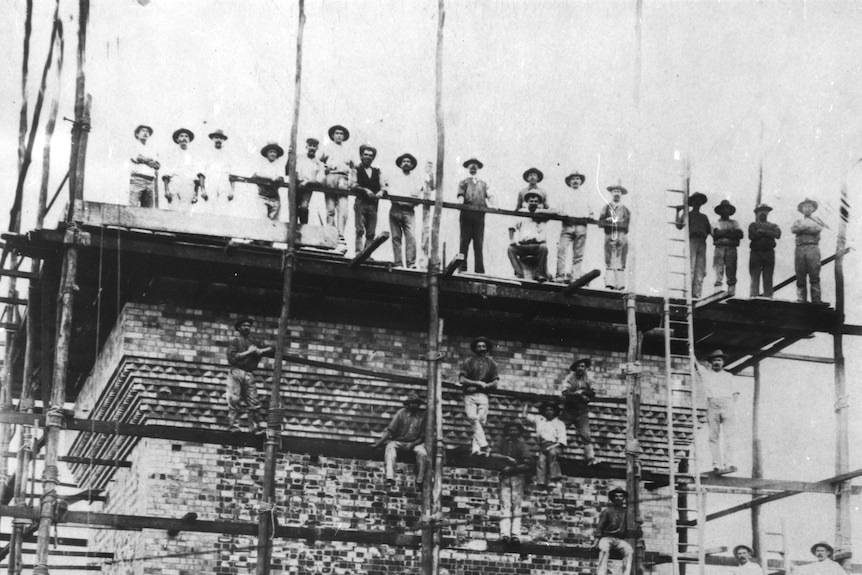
{"points": [[219, 187], [272, 172], [513, 479], [615, 218], [726, 235], [719, 389], [406, 433], [551, 439], [744, 556], [402, 218], [338, 161], [474, 192], [369, 186], [184, 178], [612, 532], [762, 234], [532, 176], [243, 355], [527, 238], [478, 374], [309, 177], [578, 392], [807, 258], [143, 165], [824, 565], [698, 230], [573, 233]]}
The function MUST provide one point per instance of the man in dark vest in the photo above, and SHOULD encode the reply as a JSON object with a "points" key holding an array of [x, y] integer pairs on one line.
{"points": [[369, 187], [474, 192]]}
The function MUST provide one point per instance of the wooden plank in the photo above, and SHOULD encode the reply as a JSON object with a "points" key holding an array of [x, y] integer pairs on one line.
{"points": [[580, 282], [369, 249], [13, 300], [764, 353], [799, 357], [61, 541], [851, 329], [724, 481], [19, 274]]}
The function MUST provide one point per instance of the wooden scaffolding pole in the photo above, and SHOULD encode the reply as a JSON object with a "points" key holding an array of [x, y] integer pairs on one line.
{"points": [[757, 540], [633, 449], [843, 544], [266, 516], [432, 493]]}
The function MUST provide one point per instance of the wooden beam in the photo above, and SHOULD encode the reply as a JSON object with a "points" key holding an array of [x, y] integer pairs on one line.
{"points": [[19, 274], [362, 256], [798, 357], [82, 460], [581, 282], [764, 353], [454, 265], [851, 329], [61, 541], [13, 300]]}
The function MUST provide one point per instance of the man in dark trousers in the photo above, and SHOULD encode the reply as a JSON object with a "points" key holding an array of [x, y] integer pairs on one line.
{"points": [[726, 235], [474, 192], [406, 432], [370, 187], [762, 261], [698, 230], [577, 395], [513, 478], [243, 355], [611, 532], [807, 258]]}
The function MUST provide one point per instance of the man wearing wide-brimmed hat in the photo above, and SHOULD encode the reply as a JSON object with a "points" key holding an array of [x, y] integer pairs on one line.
{"points": [[551, 439], [824, 565], [406, 432], [762, 234], [478, 374], [698, 230], [807, 258], [338, 160], [219, 187], [273, 172], [184, 178], [744, 556], [718, 388], [402, 217], [612, 532], [573, 234], [369, 185], [615, 218], [477, 193], [532, 176], [726, 235], [513, 479], [527, 238], [309, 177], [243, 355], [143, 165], [578, 392]]}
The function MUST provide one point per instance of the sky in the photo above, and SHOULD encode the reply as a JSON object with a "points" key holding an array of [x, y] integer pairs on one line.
{"points": [[725, 87]]}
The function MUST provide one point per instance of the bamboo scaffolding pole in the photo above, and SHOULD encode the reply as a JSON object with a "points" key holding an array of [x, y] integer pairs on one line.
{"points": [[266, 515]]}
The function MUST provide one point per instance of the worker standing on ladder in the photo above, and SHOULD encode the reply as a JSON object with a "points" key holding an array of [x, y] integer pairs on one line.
{"points": [[718, 387], [611, 532], [744, 557]]}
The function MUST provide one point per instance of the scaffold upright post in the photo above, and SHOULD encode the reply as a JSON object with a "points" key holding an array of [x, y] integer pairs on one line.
{"points": [[633, 449], [843, 543]]}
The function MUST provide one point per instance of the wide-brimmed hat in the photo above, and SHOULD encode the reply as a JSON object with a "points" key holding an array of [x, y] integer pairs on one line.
{"points": [[829, 548], [746, 547], [481, 338], [763, 208], [241, 321], [403, 157], [533, 194], [312, 141], [715, 353], [621, 189], [413, 398], [183, 131], [364, 147], [585, 360], [339, 127], [479, 164], [574, 175], [514, 423], [697, 199], [552, 404], [536, 171], [272, 146], [218, 134], [616, 490], [807, 201], [143, 127], [725, 207]]}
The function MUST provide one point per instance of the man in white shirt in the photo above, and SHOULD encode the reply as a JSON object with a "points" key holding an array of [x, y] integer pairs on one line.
{"points": [[309, 176], [573, 235], [402, 217], [220, 190], [143, 165], [338, 160], [744, 555], [184, 180], [719, 389], [269, 169], [527, 238], [551, 439], [824, 564]]}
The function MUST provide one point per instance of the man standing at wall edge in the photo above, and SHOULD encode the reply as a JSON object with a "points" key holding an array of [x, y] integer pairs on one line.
{"points": [[143, 168], [478, 374], [474, 192], [762, 259], [243, 355]]}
